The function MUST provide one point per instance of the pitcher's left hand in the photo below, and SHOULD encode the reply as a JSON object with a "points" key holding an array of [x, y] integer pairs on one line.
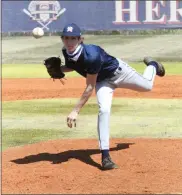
{"points": [[71, 119]]}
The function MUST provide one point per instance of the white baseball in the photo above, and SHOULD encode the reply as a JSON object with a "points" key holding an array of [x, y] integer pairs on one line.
{"points": [[38, 32]]}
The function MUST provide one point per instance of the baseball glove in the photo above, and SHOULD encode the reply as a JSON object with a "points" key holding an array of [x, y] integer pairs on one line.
{"points": [[53, 65]]}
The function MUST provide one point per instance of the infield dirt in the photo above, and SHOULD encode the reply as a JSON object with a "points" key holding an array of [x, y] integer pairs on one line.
{"points": [[146, 166]]}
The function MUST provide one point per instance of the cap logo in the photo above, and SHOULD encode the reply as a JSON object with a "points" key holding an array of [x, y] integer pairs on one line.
{"points": [[70, 29]]}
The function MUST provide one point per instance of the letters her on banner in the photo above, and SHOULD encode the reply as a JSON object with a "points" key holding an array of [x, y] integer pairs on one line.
{"points": [[153, 12]]}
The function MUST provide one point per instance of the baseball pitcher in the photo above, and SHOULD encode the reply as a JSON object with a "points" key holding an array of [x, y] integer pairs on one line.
{"points": [[104, 73]]}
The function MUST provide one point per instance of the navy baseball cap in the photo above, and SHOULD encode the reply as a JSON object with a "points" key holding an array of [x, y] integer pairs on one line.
{"points": [[71, 30]]}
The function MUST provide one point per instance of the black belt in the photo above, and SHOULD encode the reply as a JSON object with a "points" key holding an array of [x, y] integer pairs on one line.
{"points": [[115, 72]]}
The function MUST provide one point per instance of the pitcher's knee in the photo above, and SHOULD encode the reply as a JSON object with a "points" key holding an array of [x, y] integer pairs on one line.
{"points": [[104, 110]]}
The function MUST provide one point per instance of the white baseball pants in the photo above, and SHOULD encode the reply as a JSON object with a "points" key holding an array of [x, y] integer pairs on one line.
{"points": [[126, 78]]}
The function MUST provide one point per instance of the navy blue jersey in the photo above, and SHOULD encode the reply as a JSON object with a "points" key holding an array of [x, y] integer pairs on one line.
{"points": [[92, 60]]}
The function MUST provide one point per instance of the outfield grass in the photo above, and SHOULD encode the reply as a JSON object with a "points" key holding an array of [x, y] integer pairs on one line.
{"points": [[39, 71], [22, 60], [27, 50], [17, 51], [32, 121], [27, 71]]}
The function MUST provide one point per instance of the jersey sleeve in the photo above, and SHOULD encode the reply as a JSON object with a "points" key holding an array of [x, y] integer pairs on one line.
{"points": [[94, 61]]}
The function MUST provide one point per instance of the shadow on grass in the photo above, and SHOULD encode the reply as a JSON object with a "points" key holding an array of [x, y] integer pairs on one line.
{"points": [[82, 155]]}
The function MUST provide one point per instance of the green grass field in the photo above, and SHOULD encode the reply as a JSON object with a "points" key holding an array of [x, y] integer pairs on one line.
{"points": [[25, 122], [32, 121], [27, 50], [23, 57], [39, 71]]}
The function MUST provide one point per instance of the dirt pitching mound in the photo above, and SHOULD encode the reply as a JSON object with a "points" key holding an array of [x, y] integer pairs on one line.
{"points": [[24, 89], [73, 166]]}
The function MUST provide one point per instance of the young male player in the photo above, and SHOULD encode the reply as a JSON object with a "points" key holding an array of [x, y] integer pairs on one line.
{"points": [[104, 73]]}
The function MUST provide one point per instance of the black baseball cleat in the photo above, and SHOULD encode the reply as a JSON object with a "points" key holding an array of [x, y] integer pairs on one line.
{"points": [[160, 68], [108, 164]]}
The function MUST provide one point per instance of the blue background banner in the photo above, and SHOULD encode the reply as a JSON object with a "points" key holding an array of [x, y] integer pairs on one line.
{"points": [[90, 15]]}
